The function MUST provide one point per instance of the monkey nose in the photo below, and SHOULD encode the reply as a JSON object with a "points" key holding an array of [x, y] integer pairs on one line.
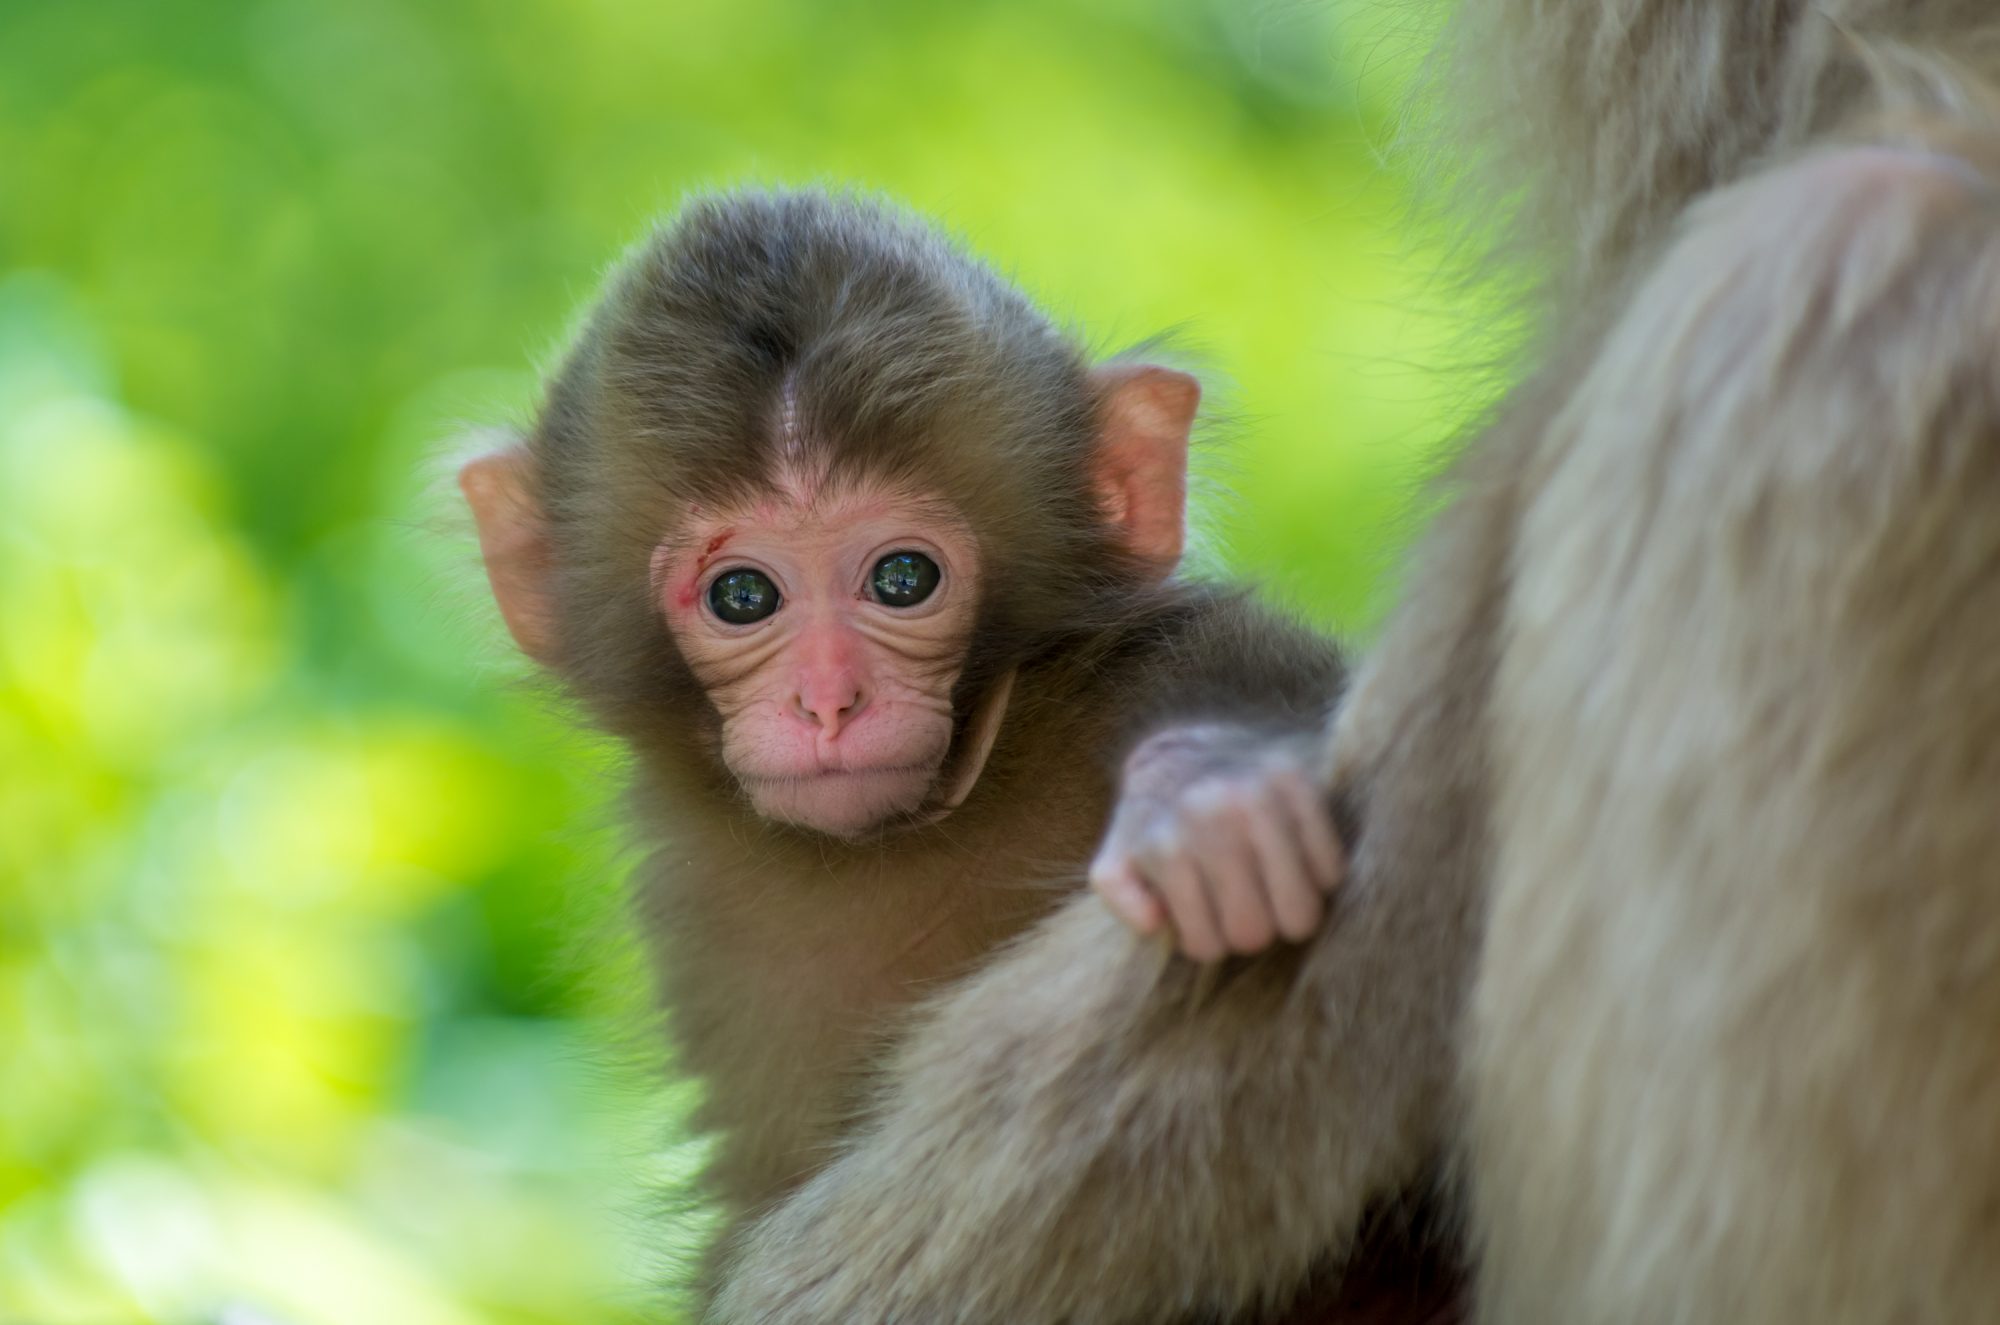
{"points": [[829, 707]]}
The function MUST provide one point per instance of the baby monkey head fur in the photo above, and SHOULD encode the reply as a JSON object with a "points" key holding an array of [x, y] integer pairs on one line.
{"points": [[810, 490]]}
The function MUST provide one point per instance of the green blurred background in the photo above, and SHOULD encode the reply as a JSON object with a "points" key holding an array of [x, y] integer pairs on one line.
{"points": [[313, 1007]]}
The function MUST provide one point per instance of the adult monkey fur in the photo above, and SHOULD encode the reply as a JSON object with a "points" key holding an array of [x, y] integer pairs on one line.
{"points": [[872, 572], [1675, 909]]}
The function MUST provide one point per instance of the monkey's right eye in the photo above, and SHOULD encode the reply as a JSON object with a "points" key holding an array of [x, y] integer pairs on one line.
{"points": [[742, 596]]}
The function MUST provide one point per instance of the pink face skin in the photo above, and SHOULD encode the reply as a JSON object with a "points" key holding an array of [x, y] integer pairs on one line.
{"points": [[836, 708]]}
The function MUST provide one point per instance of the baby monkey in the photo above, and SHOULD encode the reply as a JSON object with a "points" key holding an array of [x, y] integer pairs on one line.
{"points": [[872, 571]]}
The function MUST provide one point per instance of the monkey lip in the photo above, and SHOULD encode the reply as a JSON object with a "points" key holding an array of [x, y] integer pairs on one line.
{"points": [[842, 802], [827, 776]]}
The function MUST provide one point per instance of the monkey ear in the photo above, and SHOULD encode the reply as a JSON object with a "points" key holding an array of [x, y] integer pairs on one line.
{"points": [[1145, 416], [514, 541]]}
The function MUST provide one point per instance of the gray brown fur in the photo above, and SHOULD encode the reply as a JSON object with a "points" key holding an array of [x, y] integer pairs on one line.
{"points": [[1678, 771], [785, 956]]}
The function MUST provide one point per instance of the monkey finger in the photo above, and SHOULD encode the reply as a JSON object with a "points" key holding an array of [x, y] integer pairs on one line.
{"points": [[1128, 896], [1285, 872], [1318, 837], [1178, 883], [1230, 868]]}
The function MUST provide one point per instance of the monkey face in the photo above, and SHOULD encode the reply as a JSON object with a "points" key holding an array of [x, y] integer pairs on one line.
{"points": [[827, 624]]}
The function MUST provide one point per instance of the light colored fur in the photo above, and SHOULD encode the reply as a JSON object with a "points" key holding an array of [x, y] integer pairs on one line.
{"points": [[1593, 123], [1678, 773], [1735, 1047]]}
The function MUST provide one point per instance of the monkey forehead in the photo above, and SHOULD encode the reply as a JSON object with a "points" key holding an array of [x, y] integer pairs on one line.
{"points": [[759, 329], [800, 503]]}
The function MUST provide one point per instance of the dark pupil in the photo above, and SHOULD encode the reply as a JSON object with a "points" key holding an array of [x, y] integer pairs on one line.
{"points": [[742, 596], [904, 579]]}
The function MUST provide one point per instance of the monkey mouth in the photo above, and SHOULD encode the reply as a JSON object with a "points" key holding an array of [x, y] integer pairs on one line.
{"points": [[843, 802]]}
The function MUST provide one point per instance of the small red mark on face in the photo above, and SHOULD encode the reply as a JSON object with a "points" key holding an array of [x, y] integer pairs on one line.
{"points": [[708, 552], [684, 592]]}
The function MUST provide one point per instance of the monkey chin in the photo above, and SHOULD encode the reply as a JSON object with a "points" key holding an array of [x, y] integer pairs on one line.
{"points": [[847, 803]]}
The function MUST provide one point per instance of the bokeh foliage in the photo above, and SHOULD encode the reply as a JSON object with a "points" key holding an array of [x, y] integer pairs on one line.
{"points": [[305, 987]]}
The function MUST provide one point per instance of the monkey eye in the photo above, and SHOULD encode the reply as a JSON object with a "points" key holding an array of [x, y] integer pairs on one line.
{"points": [[904, 579], [742, 596]]}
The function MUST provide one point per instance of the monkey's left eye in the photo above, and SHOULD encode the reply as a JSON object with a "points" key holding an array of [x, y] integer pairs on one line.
{"points": [[742, 596], [904, 579]]}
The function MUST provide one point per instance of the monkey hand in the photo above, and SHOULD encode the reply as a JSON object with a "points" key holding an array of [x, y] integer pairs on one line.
{"points": [[1224, 834]]}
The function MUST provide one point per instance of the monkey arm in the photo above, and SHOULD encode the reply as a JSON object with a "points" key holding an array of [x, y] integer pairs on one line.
{"points": [[1218, 660], [1075, 1135], [1219, 833]]}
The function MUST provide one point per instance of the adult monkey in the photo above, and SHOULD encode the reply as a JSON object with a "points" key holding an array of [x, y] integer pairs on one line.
{"points": [[1676, 773]]}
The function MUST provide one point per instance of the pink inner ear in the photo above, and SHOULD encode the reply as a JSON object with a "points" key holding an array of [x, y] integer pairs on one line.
{"points": [[1147, 417], [513, 541]]}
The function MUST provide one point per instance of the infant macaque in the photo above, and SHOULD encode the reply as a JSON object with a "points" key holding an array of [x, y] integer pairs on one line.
{"points": [[873, 572]]}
